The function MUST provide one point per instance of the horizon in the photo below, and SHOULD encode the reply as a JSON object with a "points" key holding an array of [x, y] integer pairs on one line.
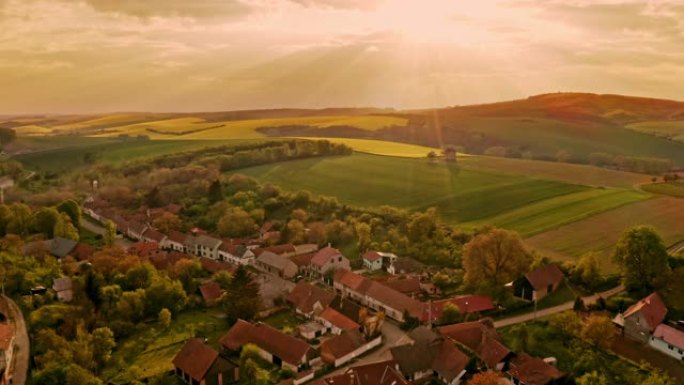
{"points": [[99, 56]]}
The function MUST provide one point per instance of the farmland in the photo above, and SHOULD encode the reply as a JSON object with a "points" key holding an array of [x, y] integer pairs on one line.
{"points": [[666, 129], [675, 189], [601, 232]]}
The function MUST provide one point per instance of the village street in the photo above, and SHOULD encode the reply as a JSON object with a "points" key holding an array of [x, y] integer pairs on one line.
{"points": [[22, 342], [97, 229]]}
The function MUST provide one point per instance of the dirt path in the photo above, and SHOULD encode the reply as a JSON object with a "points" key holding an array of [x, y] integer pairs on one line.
{"points": [[588, 300], [22, 349]]}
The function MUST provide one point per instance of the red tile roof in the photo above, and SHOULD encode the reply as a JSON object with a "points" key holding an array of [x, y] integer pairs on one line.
{"points": [[371, 256], [195, 359], [153, 235], [177, 236], [305, 295], [541, 277], [351, 280], [480, 337], [341, 345], [302, 260], [323, 256], [403, 285], [83, 251], [281, 249], [533, 371], [670, 335], [379, 373], [466, 304], [213, 266], [143, 249], [289, 349], [211, 291], [6, 336], [652, 308], [338, 319], [449, 361]]}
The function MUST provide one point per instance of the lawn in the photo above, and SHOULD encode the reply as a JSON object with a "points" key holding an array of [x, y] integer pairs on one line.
{"points": [[675, 189], [552, 213], [284, 319], [601, 232], [460, 194], [150, 350]]}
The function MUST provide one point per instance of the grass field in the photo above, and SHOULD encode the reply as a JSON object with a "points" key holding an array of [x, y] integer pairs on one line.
{"points": [[552, 213], [667, 129], [601, 232], [380, 147], [675, 189], [371, 181]]}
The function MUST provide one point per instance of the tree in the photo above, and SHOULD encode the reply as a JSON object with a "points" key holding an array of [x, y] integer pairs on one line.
{"points": [[102, 344], [167, 222], [215, 193], [588, 270], [486, 378], [153, 197], [642, 257], [165, 318], [658, 378], [187, 271], [295, 231], [598, 330], [236, 223], [579, 304], [223, 279], [451, 314], [132, 305], [44, 221], [109, 295], [165, 293], [7, 136], [76, 375], [592, 378], [495, 257], [567, 323], [432, 156], [363, 234], [71, 208], [241, 299], [109, 233], [19, 219], [64, 228]]}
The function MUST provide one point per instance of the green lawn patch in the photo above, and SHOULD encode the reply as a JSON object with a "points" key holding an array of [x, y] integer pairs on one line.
{"points": [[675, 189], [284, 319]]}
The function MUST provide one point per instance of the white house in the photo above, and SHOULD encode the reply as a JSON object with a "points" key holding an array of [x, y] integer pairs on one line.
{"points": [[174, 241], [669, 341], [327, 259], [236, 254]]}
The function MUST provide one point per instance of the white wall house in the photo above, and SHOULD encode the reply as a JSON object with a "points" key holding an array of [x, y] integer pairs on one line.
{"points": [[669, 341]]}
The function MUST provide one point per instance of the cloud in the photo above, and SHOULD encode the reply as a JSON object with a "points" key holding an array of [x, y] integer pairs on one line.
{"points": [[199, 9], [340, 4]]}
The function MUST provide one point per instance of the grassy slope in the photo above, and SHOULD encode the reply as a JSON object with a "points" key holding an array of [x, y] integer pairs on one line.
{"points": [[675, 189], [667, 129], [380, 147]]}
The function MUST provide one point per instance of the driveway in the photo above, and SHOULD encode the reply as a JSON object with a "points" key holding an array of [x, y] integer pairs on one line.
{"points": [[22, 347], [97, 229], [588, 300]]}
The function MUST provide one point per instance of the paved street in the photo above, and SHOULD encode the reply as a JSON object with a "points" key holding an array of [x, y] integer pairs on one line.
{"points": [[97, 229], [22, 349], [588, 300]]}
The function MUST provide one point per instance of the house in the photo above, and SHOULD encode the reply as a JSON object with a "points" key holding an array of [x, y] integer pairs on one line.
{"points": [[6, 351], [430, 355], [197, 363], [286, 250], [642, 318], [311, 330], [276, 264], [152, 235], [336, 322], [376, 296], [144, 249], [405, 265], [206, 246], [482, 339], [61, 247], [274, 346], [538, 283], [378, 373], [409, 286], [328, 259], [527, 370], [83, 251], [64, 288], [136, 229], [344, 347], [238, 254], [175, 240], [669, 341], [377, 260], [211, 292], [307, 248], [303, 261], [467, 304], [309, 299], [212, 266]]}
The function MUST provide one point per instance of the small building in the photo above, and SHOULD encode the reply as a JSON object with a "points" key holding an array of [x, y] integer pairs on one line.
{"points": [[174, 241], [336, 322], [467, 304], [482, 339], [343, 348], [409, 286], [378, 373], [538, 283], [136, 229], [328, 259], [206, 246], [199, 364], [238, 254], [641, 319], [276, 265], [61, 247], [307, 248], [64, 289], [311, 330], [406, 265], [6, 351], [377, 260], [152, 235], [527, 370], [211, 292], [669, 341], [309, 299], [274, 346], [144, 249]]}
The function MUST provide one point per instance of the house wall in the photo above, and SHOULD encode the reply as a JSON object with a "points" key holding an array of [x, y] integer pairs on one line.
{"points": [[358, 352], [455, 381], [666, 348], [637, 328], [372, 266]]}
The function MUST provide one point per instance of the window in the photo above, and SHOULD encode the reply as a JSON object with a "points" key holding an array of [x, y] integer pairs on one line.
{"points": [[670, 347]]}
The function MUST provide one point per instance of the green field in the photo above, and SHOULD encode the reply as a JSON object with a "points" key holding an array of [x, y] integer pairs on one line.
{"points": [[460, 194], [665, 129], [380, 147], [675, 189]]}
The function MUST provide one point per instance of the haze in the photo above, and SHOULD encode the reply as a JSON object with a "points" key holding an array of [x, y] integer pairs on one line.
{"points": [[68, 56]]}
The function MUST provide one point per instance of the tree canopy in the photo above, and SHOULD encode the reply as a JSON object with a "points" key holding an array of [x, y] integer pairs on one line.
{"points": [[642, 257]]}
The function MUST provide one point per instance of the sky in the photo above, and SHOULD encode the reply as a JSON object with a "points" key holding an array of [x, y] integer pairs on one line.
{"points": [[85, 56]]}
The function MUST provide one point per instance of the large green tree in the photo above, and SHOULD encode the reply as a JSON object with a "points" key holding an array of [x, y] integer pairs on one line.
{"points": [[495, 258], [241, 299], [642, 257], [71, 208]]}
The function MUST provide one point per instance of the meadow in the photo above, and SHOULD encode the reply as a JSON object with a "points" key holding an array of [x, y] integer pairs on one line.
{"points": [[675, 189], [667, 129]]}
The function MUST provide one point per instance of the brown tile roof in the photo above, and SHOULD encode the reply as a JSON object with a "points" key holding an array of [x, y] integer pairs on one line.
{"points": [[211, 291], [143, 249], [302, 260], [341, 345], [403, 285], [6, 336], [323, 256], [338, 319], [177, 236], [449, 361], [533, 371], [541, 277], [195, 359], [351, 280], [280, 249], [163, 261], [466, 304], [305, 295], [289, 349], [153, 235], [378, 373], [371, 256], [83, 251], [670, 335], [651, 307], [480, 337], [136, 227], [212, 266]]}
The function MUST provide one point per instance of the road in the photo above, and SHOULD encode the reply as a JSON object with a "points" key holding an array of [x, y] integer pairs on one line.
{"points": [[97, 229], [588, 300], [22, 349]]}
